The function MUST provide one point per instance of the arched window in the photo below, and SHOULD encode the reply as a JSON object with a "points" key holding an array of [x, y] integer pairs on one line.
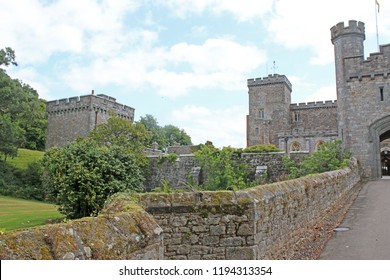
{"points": [[261, 114], [296, 116], [318, 145], [295, 147]]}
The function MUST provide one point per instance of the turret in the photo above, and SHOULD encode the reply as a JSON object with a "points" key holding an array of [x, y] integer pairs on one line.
{"points": [[348, 44], [349, 52]]}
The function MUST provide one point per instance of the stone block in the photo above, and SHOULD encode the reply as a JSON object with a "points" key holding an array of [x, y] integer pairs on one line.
{"points": [[241, 253]]}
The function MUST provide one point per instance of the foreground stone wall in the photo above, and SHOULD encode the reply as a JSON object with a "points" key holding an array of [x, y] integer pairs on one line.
{"points": [[259, 223], [130, 234], [266, 222]]}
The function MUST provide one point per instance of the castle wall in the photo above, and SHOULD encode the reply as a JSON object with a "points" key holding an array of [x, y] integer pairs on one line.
{"points": [[266, 222], [177, 173], [75, 117], [314, 116]]}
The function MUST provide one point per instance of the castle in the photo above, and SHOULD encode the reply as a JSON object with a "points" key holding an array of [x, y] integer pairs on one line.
{"points": [[71, 118], [360, 117]]}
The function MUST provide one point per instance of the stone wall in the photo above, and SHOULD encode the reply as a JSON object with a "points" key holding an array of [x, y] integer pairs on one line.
{"points": [[177, 172], [259, 223], [125, 233], [266, 222]]}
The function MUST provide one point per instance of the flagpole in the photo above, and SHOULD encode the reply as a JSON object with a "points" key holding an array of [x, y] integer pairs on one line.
{"points": [[376, 21]]}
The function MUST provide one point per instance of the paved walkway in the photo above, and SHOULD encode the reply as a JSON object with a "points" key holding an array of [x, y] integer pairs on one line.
{"points": [[366, 225]]}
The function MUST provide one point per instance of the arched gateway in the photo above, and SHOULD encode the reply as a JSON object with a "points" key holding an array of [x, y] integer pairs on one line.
{"points": [[379, 133]]}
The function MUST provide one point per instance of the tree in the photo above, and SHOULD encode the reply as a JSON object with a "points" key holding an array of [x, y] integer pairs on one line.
{"points": [[7, 57], [176, 135], [11, 136], [21, 102], [158, 135], [82, 175], [222, 170], [121, 132], [168, 135]]}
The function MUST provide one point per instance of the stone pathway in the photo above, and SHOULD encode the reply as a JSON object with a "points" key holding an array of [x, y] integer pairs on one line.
{"points": [[364, 233]]}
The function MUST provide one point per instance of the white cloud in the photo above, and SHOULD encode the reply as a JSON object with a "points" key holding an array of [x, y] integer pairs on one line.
{"points": [[243, 10], [173, 71], [322, 94], [36, 30], [224, 127], [306, 23], [30, 76]]}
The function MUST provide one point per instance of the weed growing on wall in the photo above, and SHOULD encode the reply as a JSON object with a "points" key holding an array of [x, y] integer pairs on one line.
{"points": [[223, 171], [330, 157]]}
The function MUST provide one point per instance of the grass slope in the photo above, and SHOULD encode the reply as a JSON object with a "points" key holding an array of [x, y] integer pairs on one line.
{"points": [[25, 157], [18, 213]]}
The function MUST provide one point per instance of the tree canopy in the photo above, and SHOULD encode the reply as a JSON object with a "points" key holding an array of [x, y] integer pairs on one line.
{"points": [[168, 135], [22, 114]]}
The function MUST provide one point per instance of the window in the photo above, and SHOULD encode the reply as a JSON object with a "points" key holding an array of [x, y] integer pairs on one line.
{"points": [[257, 131], [295, 147], [381, 94], [261, 114], [318, 145], [296, 116]]}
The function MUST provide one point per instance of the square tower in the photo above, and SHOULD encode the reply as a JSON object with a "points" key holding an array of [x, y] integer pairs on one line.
{"points": [[269, 109]]}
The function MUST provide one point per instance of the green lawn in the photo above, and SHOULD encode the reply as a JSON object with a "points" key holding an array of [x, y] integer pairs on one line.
{"points": [[18, 213], [25, 157]]}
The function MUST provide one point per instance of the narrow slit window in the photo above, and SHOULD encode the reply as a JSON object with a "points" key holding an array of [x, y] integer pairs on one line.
{"points": [[381, 94]]}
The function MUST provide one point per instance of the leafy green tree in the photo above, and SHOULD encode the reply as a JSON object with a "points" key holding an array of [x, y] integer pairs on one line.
{"points": [[21, 102], [81, 176], [158, 135], [134, 137], [168, 135], [330, 157], [223, 171], [175, 135], [7, 57], [11, 136]]}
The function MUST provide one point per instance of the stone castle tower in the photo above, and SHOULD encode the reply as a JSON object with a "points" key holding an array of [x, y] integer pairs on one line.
{"points": [[360, 117], [363, 94], [71, 118]]}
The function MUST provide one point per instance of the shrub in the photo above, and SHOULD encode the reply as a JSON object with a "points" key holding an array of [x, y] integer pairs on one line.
{"points": [[330, 157], [223, 172], [264, 148], [82, 175]]}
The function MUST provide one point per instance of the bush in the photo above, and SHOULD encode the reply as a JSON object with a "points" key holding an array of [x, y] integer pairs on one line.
{"points": [[330, 157], [223, 171], [264, 148], [82, 175], [22, 183]]}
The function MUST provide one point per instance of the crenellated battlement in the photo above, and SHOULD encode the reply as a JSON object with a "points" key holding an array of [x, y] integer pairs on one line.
{"points": [[271, 79], [100, 102], [314, 105], [354, 28], [74, 117], [377, 65]]}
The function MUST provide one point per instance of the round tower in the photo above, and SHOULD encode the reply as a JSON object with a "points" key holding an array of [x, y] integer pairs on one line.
{"points": [[348, 44], [349, 51]]}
